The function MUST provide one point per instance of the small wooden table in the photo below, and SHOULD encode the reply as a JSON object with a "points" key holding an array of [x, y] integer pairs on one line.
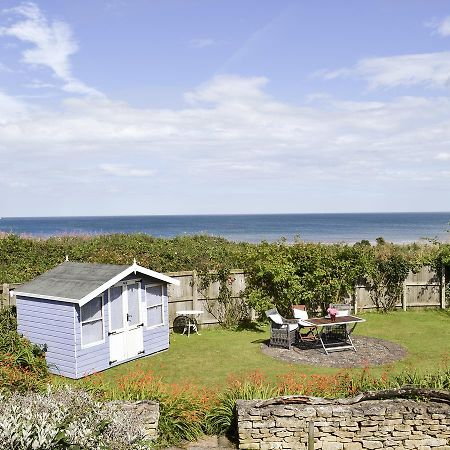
{"points": [[335, 335]]}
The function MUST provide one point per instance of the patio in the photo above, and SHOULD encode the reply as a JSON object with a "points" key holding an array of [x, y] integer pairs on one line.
{"points": [[370, 352]]}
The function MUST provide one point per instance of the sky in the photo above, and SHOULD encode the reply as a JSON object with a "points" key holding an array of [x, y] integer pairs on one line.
{"points": [[124, 107]]}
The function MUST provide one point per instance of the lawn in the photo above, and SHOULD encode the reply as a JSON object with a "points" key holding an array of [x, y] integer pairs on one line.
{"points": [[210, 358]]}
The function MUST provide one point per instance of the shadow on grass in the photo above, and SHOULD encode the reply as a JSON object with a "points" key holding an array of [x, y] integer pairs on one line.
{"points": [[260, 341], [250, 326]]}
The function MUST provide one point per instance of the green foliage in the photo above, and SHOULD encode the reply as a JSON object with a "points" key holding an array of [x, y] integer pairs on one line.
{"points": [[316, 275], [22, 364], [278, 274], [230, 311], [386, 268]]}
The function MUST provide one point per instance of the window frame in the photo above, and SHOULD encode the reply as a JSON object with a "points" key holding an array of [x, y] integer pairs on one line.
{"points": [[151, 327], [102, 309]]}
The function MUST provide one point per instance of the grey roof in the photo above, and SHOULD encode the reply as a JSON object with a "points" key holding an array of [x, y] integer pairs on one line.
{"points": [[71, 280]]}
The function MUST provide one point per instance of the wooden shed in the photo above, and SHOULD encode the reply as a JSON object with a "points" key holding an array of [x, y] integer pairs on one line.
{"points": [[89, 317]]}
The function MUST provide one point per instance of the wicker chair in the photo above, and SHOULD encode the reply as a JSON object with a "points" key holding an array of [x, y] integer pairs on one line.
{"points": [[307, 333], [283, 331]]}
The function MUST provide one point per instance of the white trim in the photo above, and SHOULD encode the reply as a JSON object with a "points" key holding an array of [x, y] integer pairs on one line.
{"points": [[93, 344], [47, 297], [151, 327], [134, 268]]}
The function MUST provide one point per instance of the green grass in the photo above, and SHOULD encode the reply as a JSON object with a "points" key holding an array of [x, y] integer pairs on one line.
{"points": [[209, 359]]}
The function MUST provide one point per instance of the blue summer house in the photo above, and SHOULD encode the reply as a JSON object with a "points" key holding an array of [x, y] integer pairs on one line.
{"points": [[89, 317]]}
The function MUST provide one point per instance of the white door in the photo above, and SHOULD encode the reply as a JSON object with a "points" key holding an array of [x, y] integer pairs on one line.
{"points": [[126, 337], [134, 324]]}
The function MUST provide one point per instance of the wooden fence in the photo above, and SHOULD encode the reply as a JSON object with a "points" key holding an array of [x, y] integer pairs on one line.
{"points": [[422, 289]]}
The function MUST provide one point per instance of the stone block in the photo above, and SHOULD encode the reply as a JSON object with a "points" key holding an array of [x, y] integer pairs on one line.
{"points": [[332, 446], [249, 446], [286, 422], [271, 445], [353, 446], [371, 444], [434, 442], [402, 427]]}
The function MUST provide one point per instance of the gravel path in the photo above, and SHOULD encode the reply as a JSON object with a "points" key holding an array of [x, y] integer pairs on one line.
{"points": [[369, 352]]}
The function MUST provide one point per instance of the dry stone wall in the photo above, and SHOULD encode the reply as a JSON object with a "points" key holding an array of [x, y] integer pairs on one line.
{"points": [[372, 424], [145, 413]]}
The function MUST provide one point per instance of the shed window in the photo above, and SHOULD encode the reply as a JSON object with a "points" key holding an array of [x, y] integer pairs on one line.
{"points": [[92, 322], [154, 300]]}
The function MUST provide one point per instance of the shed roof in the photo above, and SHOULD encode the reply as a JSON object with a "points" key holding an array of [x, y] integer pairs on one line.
{"points": [[76, 282]]}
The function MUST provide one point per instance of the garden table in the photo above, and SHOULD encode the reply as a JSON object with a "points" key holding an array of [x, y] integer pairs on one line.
{"points": [[334, 335], [191, 316]]}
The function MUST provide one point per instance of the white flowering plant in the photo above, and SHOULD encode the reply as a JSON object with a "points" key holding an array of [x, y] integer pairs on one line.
{"points": [[66, 419]]}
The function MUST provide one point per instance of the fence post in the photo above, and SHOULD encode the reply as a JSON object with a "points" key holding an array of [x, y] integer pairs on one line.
{"points": [[195, 303], [443, 305], [404, 294], [5, 296], [311, 435], [355, 299]]}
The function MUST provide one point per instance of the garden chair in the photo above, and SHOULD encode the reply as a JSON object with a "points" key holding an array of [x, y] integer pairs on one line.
{"points": [[283, 331], [306, 331]]}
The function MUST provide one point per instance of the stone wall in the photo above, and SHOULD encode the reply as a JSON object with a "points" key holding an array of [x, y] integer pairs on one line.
{"points": [[371, 424], [144, 413]]}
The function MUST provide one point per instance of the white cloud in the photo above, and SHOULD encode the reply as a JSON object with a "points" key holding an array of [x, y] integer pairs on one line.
{"points": [[123, 170], [441, 27], [52, 44], [443, 156], [240, 128], [4, 68], [201, 42], [428, 69]]}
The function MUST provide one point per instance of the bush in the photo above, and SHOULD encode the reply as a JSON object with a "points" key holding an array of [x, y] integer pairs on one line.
{"points": [[65, 419], [22, 364], [182, 408]]}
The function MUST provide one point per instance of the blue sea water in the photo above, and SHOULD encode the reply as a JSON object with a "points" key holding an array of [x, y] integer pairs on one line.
{"points": [[350, 228]]}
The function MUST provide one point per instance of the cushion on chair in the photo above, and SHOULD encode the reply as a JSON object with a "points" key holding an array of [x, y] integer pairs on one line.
{"points": [[276, 318], [292, 326], [343, 313], [299, 314]]}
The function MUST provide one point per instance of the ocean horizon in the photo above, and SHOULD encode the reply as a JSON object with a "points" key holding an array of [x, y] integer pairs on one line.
{"points": [[404, 227]]}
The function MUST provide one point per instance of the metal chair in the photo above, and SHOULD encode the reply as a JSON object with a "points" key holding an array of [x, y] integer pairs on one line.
{"points": [[283, 331], [306, 332]]}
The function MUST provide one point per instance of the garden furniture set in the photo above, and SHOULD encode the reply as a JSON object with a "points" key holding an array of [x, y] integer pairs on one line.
{"points": [[331, 333]]}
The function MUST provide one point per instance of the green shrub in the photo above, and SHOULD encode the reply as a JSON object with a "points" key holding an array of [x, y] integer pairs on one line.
{"points": [[22, 364]]}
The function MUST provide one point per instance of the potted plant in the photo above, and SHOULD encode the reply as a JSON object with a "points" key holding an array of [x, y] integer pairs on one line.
{"points": [[332, 313]]}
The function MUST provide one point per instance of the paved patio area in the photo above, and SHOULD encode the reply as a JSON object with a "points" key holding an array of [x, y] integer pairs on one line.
{"points": [[369, 352]]}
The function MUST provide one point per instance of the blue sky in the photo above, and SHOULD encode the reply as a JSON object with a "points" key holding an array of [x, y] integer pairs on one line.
{"points": [[193, 107]]}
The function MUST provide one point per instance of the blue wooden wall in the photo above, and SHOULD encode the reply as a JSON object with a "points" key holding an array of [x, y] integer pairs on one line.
{"points": [[51, 323]]}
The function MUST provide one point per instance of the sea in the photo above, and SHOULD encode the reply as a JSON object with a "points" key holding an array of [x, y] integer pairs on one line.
{"points": [[326, 228]]}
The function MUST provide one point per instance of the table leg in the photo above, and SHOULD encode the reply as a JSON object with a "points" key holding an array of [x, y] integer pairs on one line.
{"points": [[323, 344]]}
